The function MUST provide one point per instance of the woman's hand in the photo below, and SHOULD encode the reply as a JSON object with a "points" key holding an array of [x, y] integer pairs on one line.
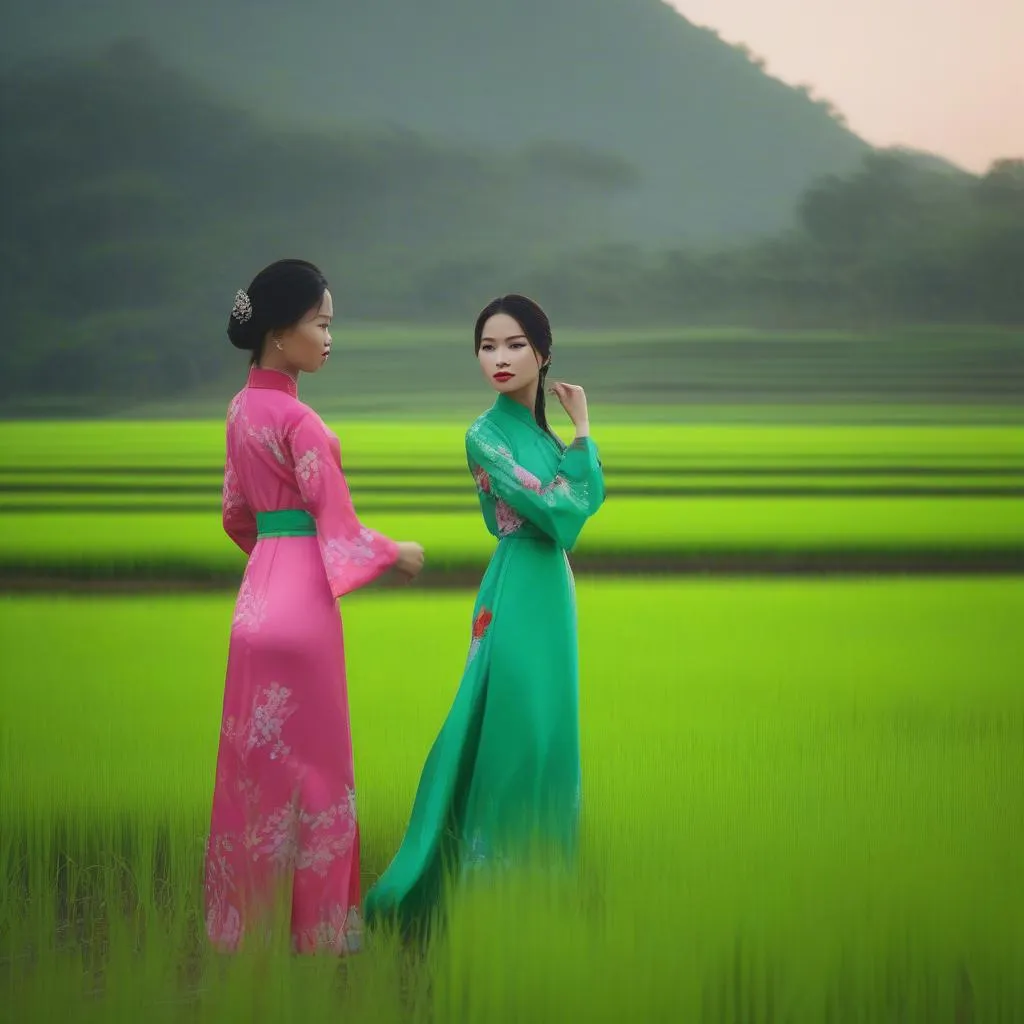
{"points": [[410, 558], [574, 402]]}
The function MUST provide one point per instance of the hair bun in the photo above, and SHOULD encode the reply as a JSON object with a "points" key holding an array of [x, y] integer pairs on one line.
{"points": [[277, 297], [240, 331], [241, 335]]}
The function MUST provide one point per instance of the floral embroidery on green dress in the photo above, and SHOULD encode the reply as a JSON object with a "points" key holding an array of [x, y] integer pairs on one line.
{"points": [[505, 764]]}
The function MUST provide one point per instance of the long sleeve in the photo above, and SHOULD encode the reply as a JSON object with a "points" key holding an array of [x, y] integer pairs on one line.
{"points": [[560, 506], [238, 519], [353, 554]]}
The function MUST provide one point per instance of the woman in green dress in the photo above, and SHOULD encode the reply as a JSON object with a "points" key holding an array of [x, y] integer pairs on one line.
{"points": [[503, 775]]}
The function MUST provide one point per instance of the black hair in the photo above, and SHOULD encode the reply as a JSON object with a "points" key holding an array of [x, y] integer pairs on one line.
{"points": [[536, 327], [278, 296]]}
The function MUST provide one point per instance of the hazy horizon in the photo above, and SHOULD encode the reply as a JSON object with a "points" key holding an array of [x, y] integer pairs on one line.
{"points": [[959, 96]]}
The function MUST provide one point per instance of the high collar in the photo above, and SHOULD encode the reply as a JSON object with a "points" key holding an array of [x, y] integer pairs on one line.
{"points": [[274, 380], [508, 405]]}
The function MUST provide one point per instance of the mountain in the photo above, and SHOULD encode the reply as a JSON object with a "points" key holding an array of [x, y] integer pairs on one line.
{"points": [[925, 161], [143, 202], [720, 149]]}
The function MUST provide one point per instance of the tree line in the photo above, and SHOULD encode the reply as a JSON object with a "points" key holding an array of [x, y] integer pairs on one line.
{"points": [[137, 204]]}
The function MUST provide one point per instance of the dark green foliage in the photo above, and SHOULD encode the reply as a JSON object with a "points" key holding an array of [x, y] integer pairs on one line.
{"points": [[141, 201], [720, 148]]}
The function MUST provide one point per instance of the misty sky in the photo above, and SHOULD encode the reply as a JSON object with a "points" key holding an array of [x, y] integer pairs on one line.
{"points": [[941, 75]]}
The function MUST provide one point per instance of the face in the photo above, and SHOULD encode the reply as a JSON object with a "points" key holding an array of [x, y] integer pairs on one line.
{"points": [[507, 359], [306, 345]]}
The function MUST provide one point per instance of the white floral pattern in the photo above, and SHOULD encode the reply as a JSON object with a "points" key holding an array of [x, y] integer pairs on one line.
{"points": [[231, 493], [284, 807], [328, 836], [267, 722], [307, 469], [251, 606], [277, 837], [268, 438], [288, 838], [340, 931], [340, 553], [235, 407]]}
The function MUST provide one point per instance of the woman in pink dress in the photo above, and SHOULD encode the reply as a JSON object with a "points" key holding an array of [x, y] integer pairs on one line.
{"points": [[283, 821]]}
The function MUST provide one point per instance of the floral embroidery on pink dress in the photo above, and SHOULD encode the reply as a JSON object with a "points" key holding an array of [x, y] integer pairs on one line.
{"points": [[251, 605], [284, 808], [307, 469]]}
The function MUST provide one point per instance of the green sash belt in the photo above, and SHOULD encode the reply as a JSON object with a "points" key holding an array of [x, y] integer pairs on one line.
{"points": [[285, 522]]}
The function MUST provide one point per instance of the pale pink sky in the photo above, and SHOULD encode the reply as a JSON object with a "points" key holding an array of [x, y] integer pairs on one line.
{"points": [[945, 76]]}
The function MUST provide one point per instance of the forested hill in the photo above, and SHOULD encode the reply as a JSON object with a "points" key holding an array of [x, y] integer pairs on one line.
{"points": [[721, 149], [139, 203]]}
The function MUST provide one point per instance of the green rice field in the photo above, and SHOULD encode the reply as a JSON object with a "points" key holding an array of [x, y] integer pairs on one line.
{"points": [[804, 798], [95, 500], [803, 802]]}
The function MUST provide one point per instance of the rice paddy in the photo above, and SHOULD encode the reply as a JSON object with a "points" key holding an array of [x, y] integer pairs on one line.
{"points": [[804, 800], [109, 499]]}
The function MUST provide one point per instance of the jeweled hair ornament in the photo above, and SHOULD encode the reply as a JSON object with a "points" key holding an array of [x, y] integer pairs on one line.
{"points": [[242, 309]]}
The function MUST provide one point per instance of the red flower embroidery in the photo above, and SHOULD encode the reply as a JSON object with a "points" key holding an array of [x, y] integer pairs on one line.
{"points": [[483, 481], [480, 624], [527, 479]]}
